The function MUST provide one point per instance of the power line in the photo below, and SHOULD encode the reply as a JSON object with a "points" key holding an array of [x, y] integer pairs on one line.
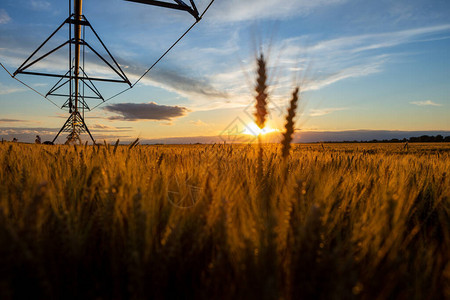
{"points": [[29, 87], [148, 70], [159, 59]]}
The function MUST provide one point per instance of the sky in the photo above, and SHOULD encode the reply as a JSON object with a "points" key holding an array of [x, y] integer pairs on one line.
{"points": [[364, 66]]}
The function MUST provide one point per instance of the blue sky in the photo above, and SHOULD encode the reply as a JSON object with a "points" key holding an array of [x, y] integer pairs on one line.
{"points": [[363, 65]]}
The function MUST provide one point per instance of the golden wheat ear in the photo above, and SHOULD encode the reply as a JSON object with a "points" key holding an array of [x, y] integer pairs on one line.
{"points": [[287, 135], [261, 104], [261, 91]]}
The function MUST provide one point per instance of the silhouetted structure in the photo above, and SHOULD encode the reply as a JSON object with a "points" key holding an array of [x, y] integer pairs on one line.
{"points": [[76, 79]]}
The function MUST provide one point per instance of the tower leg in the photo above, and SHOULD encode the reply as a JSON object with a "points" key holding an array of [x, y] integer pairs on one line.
{"points": [[87, 130], [74, 125], [61, 130]]}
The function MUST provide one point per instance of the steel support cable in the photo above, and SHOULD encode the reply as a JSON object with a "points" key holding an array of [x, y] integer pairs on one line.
{"points": [[159, 59], [29, 87]]}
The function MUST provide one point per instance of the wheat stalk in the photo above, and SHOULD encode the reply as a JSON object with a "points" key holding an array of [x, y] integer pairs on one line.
{"points": [[133, 144], [287, 136], [261, 104], [261, 92]]}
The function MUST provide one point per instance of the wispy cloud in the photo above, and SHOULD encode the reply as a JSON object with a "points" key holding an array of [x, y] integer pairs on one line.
{"points": [[325, 111], [332, 60], [425, 103], [365, 42], [238, 10], [384, 40], [4, 17], [354, 56], [145, 111], [173, 79], [24, 131], [11, 121], [40, 5], [187, 84], [5, 89], [223, 84], [198, 123], [350, 72], [347, 52], [106, 128], [101, 126], [203, 90]]}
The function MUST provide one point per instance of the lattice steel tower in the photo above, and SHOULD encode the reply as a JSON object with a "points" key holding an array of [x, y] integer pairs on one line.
{"points": [[75, 80]]}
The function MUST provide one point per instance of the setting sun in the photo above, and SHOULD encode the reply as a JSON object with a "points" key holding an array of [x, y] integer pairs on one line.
{"points": [[253, 129]]}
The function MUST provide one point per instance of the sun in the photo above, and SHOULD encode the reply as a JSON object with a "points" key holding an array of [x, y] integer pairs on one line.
{"points": [[253, 129]]}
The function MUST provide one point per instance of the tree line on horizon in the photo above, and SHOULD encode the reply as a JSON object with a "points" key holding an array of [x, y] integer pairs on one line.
{"points": [[421, 139]]}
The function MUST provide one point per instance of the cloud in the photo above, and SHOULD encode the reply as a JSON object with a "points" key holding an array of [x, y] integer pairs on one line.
{"points": [[425, 103], [4, 17], [350, 72], [325, 111], [105, 128], [198, 123], [172, 79], [356, 49], [5, 90], [27, 134], [101, 126], [390, 39], [40, 84], [222, 83], [187, 84], [145, 111], [11, 120], [203, 90], [336, 59], [40, 5], [351, 56], [239, 10], [365, 42]]}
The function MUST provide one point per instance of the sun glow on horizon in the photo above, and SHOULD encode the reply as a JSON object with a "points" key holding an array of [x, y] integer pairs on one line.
{"points": [[253, 129]]}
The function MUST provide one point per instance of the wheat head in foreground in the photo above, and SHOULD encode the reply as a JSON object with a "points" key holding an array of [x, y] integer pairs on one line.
{"points": [[261, 104], [287, 135], [261, 92]]}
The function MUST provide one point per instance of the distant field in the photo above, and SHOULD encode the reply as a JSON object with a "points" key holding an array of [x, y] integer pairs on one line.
{"points": [[334, 221]]}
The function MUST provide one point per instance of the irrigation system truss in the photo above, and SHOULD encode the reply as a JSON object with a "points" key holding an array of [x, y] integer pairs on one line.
{"points": [[75, 81]]}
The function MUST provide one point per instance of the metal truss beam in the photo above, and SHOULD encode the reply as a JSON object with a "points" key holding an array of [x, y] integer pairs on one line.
{"points": [[180, 5]]}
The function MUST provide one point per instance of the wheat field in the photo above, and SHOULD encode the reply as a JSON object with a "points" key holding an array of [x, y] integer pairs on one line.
{"points": [[333, 221]]}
